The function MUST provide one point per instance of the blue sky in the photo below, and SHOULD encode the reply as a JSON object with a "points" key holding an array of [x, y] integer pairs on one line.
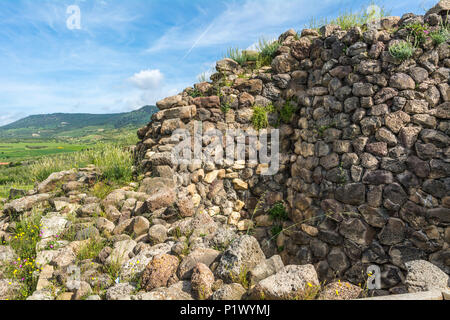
{"points": [[129, 53]]}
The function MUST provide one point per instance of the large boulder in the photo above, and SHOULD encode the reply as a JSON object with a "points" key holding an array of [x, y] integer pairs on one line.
{"points": [[52, 225], [135, 266], [425, 276], [55, 179], [202, 281], [120, 291], [229, 292], [19, 206], [160, 272], [241, 257], [441, 8], [266, 269], [292, 282], [121, 252], [340, 290], [201, 255]]}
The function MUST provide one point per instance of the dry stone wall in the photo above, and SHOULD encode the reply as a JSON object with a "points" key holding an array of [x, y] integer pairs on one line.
{"points": [[364, 161]]}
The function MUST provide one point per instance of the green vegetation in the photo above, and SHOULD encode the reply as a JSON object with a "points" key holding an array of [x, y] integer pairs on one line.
{"points": [[278, 212], [204, 77], [195, 93], [276, 230], [350, 19], [113, 159], [419, 33], [112, 269], [260, 118], [402, 50], [12, 152], [288, 110], [267, 51], [26, 236], [237, 55], [63, 126], [440, 36], [91, 250]]}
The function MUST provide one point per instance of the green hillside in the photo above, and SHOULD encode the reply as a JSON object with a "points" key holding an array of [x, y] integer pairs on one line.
{"points": [[63, 125]]}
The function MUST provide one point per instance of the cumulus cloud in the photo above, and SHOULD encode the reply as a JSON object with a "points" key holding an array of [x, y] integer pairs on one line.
{"points": [[147, 79]]}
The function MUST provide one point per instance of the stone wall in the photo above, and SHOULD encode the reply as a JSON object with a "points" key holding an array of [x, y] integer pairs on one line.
{"points": [[364, 168]]}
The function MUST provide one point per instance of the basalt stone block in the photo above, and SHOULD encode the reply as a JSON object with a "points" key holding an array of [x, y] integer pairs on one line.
{"points": [[378, 177], [394, 197], [353, 193]]}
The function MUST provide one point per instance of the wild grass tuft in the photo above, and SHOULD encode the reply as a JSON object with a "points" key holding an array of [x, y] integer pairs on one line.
{"points": [[22, 270], [402, 50], [91, 249], [260, 118], [349, 19], [287, 111], [237, 55], [278, 212], [267, 51]]}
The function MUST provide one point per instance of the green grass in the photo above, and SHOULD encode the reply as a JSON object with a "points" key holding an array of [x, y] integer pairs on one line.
{"points": [[25, 238], [237, 55], [267, 51], [440, 36], [11, 152], [260, 118], [287, 111], [113, 159], [402, 50], [278, 212], [91, 250], [60, 125], [349, 19]]}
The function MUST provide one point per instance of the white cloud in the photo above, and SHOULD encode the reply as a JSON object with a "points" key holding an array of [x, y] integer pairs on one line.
{"points": [[241, 22], [147, 79]]}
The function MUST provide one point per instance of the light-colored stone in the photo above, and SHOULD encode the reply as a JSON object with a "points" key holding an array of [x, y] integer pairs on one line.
{"points": [[291, 282], [425, 276]]}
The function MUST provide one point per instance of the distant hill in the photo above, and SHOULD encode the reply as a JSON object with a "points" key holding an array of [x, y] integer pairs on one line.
{"points": [[72, 124]]}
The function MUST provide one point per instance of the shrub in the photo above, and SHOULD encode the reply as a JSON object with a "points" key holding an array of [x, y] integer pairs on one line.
{"points": [[267, 51], [276, 230], [26, 236], [260, 118], [442, 34], [204, 77], [287, 111], [419, 32], [402, 50], [278, 212], [194, 93], [101, 190]]}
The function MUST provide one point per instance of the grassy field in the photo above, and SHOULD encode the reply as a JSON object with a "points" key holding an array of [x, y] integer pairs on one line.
{"points": [[40, 159], [13, 152]]}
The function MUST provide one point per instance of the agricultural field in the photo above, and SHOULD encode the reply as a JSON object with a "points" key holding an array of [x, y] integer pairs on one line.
{"points": [[14, 152], [24, 163]]}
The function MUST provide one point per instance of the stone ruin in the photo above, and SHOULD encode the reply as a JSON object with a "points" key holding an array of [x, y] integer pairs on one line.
{"points": [[364, 170]]}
